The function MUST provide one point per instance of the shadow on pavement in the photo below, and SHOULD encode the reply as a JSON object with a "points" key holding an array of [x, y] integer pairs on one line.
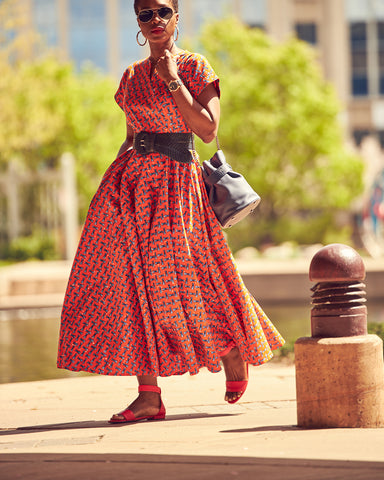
{"points": [[173, 467], [101, 424], [272, 428]]}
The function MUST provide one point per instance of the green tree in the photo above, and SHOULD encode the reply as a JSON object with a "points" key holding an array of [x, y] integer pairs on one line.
{"points": [[48, 108], [23, 117], [280, 127]]}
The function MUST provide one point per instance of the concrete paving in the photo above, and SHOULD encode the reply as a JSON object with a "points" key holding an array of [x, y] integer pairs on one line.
{"points": [[58, 429]]}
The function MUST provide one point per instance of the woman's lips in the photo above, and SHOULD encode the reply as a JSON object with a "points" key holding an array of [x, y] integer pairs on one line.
{"points": [[157, 30]]}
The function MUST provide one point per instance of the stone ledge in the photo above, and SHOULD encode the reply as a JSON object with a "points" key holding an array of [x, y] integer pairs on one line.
{"points": [[42, 284]]}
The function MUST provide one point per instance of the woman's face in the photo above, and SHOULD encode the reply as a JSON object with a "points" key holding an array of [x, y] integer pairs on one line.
{"points": [[157, 30]]}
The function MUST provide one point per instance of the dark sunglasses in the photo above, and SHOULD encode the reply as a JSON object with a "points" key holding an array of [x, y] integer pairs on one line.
{"points": [[146, 16]]}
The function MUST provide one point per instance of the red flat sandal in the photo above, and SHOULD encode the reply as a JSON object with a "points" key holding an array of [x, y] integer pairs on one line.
{"points": [[130, 417], [239, 386]]}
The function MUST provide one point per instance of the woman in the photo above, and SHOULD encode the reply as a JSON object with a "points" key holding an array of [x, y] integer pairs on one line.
{"points": [[154, 290]]}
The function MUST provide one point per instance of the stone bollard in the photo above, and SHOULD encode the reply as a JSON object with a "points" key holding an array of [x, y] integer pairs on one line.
{"points": [[339, 369]]}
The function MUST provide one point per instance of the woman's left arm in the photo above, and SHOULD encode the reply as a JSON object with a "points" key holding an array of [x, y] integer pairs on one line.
{"points": [[202, 114]]}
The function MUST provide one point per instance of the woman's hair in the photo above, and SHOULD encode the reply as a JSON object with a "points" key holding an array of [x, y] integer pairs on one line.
{"points": [[175, 5]]}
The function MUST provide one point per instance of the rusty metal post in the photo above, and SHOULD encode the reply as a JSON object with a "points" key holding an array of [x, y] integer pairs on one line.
{"points": [[339, 295], [339, 369]]}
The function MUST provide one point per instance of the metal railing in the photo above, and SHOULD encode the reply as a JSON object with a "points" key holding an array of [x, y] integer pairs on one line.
{"points": [[43, 202]]}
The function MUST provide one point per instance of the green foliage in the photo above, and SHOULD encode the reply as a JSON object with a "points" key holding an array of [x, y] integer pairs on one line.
{"points": [[279, 126], [377, 329], [47, 108], [286, 353], [36, 246], [51, 109]]}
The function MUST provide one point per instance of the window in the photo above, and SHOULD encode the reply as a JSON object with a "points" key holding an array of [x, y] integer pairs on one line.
{"points": [[360, 135], [380, 44], [254, 13], [203, 11], [358, 42], [45, 17], [88, 32], [364, 10], [127, 24], [307, 32]]}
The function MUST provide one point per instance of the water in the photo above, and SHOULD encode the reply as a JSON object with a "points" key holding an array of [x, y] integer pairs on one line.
{"points": [[28, 339]]}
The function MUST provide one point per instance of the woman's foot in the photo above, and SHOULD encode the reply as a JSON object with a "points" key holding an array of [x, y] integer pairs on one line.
{"points": [[236, 372], [147, 405]]}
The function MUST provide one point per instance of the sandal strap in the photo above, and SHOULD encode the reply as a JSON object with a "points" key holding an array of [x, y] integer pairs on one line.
{"points": [[149, 388], [238, 386]]}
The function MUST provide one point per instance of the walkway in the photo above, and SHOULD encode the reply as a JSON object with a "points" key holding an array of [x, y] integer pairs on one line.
{"points": [[57, 429]]}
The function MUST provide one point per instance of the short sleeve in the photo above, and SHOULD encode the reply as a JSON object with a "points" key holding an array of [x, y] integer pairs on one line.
{"points": [[199, 74], [121, 91]]}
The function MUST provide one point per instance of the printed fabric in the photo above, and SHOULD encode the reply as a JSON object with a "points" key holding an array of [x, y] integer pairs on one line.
{"points": [[154, 288]]}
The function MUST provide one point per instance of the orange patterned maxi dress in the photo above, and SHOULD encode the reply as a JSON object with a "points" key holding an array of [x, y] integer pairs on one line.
{"points": [[154, 289]]}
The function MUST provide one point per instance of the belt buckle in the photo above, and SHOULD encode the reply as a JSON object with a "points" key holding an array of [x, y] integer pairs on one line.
{"points": [[145, 142]]}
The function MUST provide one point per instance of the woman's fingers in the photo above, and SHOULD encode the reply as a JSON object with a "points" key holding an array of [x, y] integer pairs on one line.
{"points": [[166, 66]]}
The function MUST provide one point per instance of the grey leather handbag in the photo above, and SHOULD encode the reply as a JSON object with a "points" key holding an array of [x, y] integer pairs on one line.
{"points": [[230, 195]]}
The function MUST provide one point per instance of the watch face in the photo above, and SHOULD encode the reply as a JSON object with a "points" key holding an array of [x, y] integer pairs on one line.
{"points": [[174, 85]]}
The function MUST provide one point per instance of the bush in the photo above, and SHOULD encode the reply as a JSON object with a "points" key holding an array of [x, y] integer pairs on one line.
{"points": [[377, 329], [32, 247], [280, 127], [286, 352]]}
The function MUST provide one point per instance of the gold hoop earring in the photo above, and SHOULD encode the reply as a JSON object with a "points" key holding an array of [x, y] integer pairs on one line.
{"points": [[137, 39], [177, 33]]}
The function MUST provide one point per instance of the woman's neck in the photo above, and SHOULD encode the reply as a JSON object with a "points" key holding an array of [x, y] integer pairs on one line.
{"points": [[157, 51]]}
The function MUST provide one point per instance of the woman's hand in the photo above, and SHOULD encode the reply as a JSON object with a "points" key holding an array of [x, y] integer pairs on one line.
{"points": [[201, 114], [166, 67]]}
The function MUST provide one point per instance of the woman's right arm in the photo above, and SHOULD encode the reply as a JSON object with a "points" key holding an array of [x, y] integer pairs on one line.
{"points": [[128, 142]]}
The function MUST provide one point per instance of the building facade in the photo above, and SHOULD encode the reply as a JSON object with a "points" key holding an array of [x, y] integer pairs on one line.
{"points": [[348, 36]]}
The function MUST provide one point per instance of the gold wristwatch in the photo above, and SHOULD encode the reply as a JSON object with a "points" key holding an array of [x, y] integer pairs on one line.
{"points": [[174, 85]]}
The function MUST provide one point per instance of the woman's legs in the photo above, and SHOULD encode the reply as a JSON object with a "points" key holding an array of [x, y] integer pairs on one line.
{"points": [[147, 403], [235, 370]]}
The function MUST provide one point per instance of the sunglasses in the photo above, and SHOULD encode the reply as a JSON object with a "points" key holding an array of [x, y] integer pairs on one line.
{"points": [[146, 16]]}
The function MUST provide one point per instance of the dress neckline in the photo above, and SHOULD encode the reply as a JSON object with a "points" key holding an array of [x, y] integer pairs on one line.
{"points": [[148, 62], [180, 54]]}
